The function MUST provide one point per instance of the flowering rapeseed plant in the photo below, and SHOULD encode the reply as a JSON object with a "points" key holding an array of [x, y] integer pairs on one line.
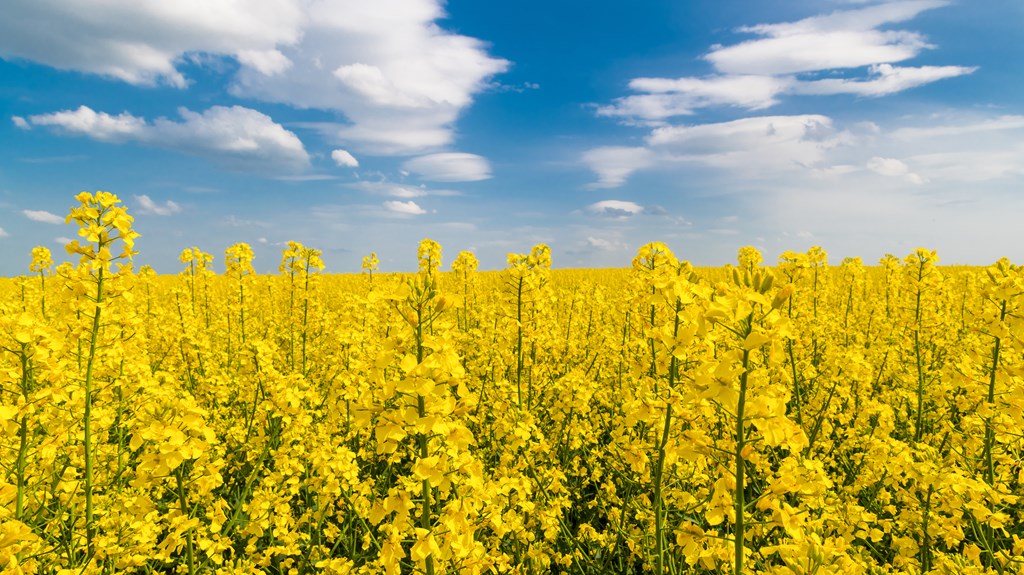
{"points": [[799, 418]]}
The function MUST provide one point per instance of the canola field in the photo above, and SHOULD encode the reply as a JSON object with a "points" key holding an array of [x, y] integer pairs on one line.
{"points": [[792, 417]]}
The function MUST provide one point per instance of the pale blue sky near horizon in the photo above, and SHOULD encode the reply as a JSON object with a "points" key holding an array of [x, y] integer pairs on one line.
{"points": [[866, 127]]}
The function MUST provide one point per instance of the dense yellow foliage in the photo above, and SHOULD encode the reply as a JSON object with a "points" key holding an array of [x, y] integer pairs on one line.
{"points": [[798, 419]]}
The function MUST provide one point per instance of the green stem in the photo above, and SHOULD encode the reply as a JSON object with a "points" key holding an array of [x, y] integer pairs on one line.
{"points": [[42, 293], [519, 342], [19, 512], [926, 543], [659, 471], [740, 494], [189, 550], [90, 525], [421, 406], [305, 318], [918, 426], [989, 473], [798, 398]]}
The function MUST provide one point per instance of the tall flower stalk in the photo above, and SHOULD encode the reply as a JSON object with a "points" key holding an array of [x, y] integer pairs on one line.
{"points": [[102, 224]]}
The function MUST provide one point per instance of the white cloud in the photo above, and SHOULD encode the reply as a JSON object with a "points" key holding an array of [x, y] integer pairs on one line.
{"points": [[605, 244], [410, 207], [618, 209], [887, 166], [954, 148], [148, 207], [97, 125], [344, 159], [779, 151], [756, 73], [4, 234], [665, 97], [306, 178], [752, 146], [893, 168], [63, 240], [614, 164], [266, 62], [20, 122], [43, 216], [450, 167], [143, 41], [962, 164], [884, 79], [238, 138], [370, 82], [396, 75], [843, 39], [395, 190], [974, 126]]}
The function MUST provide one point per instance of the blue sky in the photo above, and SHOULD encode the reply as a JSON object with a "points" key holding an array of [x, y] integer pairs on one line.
{"points": [[865, 127]]}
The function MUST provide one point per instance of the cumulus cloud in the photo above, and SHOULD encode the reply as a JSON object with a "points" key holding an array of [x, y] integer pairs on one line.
{"points": [[397, 76], [142, 42], [266, 62], [20, 122], [388, 67], [614, 164], [148, 207], [409, 208], [450, 167], [235, 137], [97, 125], [344, 159], [893, 168], [43, 216], [755, 74]]}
